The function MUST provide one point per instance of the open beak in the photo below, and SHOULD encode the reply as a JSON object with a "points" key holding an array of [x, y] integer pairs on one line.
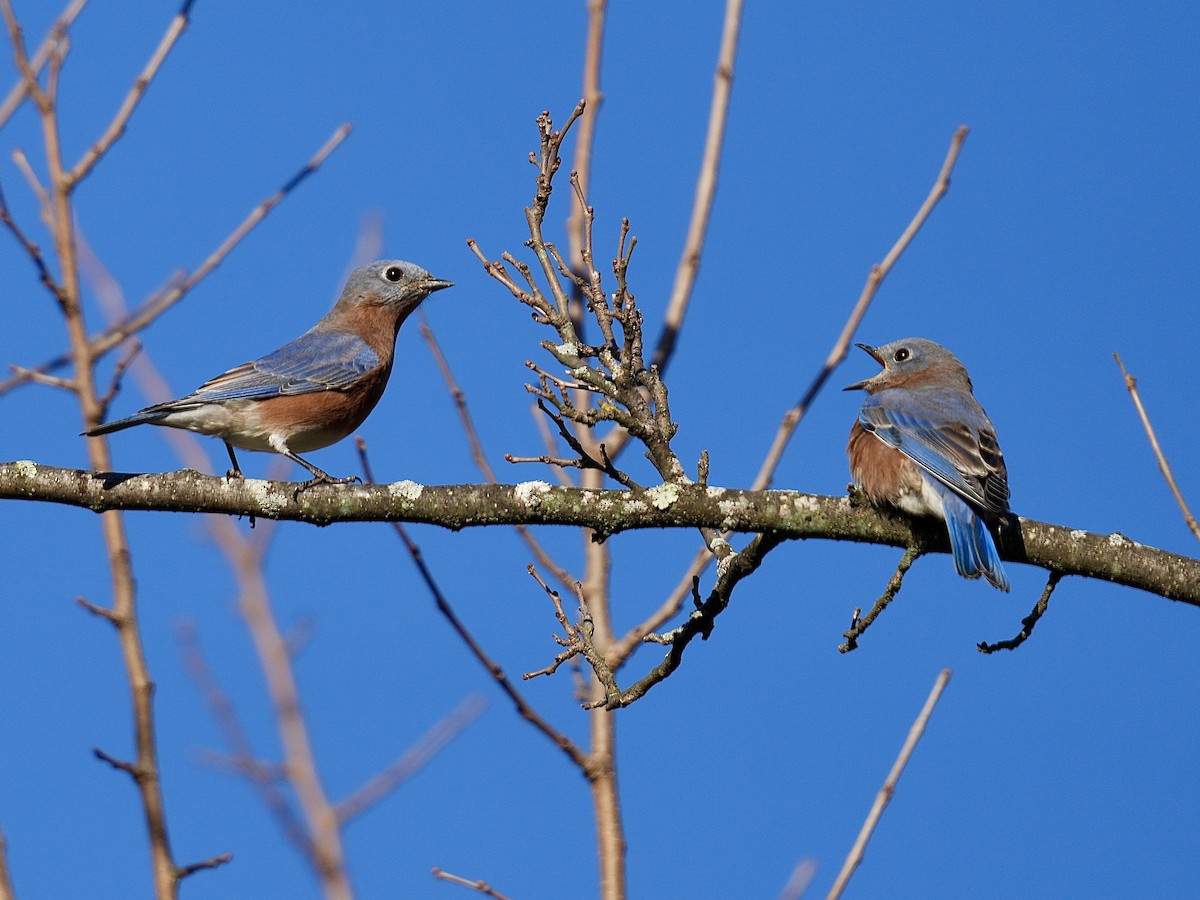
{"points": [[862, 385]]}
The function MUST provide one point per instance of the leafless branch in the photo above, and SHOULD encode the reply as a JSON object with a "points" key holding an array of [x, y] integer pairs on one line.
{"points": [[117, 126], [1163, 465], [889, 787], [156, 305], [527, 712], [766, 474], [482, 886], [706, 188], [413, 760], [57, 32], [858, 624], [1029, 622]]}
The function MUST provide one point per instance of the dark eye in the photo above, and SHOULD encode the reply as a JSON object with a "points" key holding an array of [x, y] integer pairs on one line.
{"points": [[393, 273], [901, 355]]}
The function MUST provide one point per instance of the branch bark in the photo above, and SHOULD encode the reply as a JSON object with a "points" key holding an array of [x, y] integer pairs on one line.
{"points": [[787, 514]]}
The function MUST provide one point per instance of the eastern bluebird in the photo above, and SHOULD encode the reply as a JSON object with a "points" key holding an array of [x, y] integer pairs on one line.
{"points": [[314, 391], [923, 444]]}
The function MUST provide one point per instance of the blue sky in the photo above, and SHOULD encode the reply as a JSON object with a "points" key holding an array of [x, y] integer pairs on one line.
{"points": [[1070, 231]]}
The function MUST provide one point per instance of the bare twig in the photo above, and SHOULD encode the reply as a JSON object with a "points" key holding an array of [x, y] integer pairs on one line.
{"points": [[413, 759], [1029, 622], [32, 251], [1163, 465], [585, 135], [156, 305], [117, 126], [879, 272], [57, 31], [480, 457], [482, 886], [706, 188], [527, 712], [889, 787], [860, 624]]}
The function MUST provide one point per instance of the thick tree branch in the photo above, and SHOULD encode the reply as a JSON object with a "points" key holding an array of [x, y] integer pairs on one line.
{"points": [[787, 514]]}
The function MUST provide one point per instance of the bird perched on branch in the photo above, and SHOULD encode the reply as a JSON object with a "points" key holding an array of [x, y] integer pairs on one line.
{"points": [[314, 391], [924, 445]]}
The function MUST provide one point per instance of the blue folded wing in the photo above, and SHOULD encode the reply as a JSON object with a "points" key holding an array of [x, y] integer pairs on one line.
{"points": [[315, 361]]}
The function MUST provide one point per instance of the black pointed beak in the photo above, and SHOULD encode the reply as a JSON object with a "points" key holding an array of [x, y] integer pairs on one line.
{"points": [[862, 385], [436, 284]]}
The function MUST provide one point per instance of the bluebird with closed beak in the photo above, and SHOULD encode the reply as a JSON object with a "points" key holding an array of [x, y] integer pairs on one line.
{"points": [[924, 445], [314, 391]]}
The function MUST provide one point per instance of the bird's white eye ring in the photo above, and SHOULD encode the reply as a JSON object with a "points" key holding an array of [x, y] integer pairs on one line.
{"points": [[901, 355], [393, 273]]}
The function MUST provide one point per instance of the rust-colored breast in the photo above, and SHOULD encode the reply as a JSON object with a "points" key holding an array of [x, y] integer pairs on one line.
{"points": [[881, 472]]}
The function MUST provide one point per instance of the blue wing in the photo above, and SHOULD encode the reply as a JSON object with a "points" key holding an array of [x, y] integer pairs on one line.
{"points": [[315, 361], [948, 435]]}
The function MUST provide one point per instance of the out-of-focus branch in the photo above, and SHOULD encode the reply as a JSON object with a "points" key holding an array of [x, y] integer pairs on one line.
{"points": [[156, 305], [413, 760], [482, 886], [585, 134], [6, 888], [706, 188], [481, 461], [1163, 465], [57, 210], [889, 787], [57, 32]]}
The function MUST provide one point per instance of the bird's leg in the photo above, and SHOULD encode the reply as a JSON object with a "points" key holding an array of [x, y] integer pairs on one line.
{"points": [[236, 471], [319, 476]]}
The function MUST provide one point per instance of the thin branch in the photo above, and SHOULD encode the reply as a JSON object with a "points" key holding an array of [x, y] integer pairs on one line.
{"points": [[480, 457], [527, 712], [482, 886], [1163, 465], [766, 474], [57, 32], [213, 862], [706, 188], [413, 760], [156, 305], [860, 624], [6, 888], [889, 787], [117, 126], [585, 135], [31, 250], [263, 777], [1029, 622]]}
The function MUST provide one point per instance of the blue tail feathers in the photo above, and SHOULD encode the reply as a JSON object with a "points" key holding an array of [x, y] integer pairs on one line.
{"points": [[974, 550]]}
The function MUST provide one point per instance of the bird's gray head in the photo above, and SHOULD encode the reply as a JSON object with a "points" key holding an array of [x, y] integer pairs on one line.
{"points": [[392, 283], [909, 360]]}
